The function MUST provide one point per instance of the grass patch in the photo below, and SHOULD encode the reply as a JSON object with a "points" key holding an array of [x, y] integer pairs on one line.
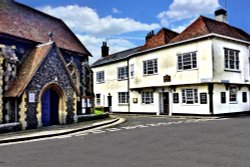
{"points": [[98, 111]]}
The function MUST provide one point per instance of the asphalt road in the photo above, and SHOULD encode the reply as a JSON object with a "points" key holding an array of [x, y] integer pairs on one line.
{"points": [[141, 142]]}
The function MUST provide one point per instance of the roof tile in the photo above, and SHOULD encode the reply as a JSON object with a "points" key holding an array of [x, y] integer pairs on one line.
{"points": [[203, 26], [22, 21], [27, 70]]}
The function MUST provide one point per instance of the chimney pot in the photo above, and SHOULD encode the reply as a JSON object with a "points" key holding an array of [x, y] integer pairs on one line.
{"points": [[149, 35], [221, 15]]}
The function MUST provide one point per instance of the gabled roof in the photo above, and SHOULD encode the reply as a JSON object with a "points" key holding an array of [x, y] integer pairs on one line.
{"points": [[200, 27], [204, 26], [161, 38], [22, 21], [115, 57], [28, 69]]}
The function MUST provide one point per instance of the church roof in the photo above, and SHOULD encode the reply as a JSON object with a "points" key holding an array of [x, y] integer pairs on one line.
{"points": [[28, 69], [25, 22]]}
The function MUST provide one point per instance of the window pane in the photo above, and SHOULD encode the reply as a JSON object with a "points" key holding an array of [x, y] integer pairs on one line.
{"points": [[232, 59], [233, 94], [150, 67], [187, 61], [123, 97], [179, 62], [147, 97], [98, 99], [100, 77], [189, 96]]}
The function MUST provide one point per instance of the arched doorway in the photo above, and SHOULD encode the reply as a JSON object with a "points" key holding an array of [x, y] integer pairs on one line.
{"points": [[50, 107]]}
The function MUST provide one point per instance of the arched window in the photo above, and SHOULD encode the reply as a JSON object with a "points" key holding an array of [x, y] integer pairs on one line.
{"points": [[74, 74]]}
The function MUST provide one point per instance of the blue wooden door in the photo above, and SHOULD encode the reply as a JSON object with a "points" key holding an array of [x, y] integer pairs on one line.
{"points": [[46, 108]]}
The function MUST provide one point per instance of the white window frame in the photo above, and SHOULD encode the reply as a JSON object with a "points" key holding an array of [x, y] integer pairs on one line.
{"points": [[98, 99], [190, 96], [122, 73], [187, 61], [147, 97], [232, 59], [150, 67], [233, 91], [100, 77], [123, 97]]}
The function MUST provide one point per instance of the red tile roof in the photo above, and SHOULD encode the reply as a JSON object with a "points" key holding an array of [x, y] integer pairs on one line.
{"points": [[22, 21], [204, 26], [161, 38], [27, 70]]}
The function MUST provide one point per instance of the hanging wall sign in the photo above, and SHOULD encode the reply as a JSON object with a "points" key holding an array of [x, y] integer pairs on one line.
{"points": [[167, 78], [32, 97]]}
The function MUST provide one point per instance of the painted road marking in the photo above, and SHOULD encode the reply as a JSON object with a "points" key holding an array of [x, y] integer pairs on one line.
{"points": [[97, 131], [112, 129], [82, 134], [153, 125], [63, 136], [146, 126], [128, 127]]}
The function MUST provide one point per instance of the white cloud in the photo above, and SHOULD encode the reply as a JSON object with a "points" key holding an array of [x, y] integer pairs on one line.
{"points": [[94, 45], [187, 9], [92, 29], [180, 28], [183, 9], [86, 20], [116, 11]]}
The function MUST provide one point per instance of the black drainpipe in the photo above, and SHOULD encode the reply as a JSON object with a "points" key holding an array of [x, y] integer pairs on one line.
{"points": [[128, 85], [211, 100]]}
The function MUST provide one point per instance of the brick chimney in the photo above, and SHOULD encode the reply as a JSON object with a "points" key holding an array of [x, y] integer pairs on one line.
{"points": [[105, 49], [149, 35], [221, 15]]}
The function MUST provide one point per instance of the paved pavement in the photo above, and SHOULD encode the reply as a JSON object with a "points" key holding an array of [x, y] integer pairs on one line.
{"points": [[141, 141], [58, 130]]}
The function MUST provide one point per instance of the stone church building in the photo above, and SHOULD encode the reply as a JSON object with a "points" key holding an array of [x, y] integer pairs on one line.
{"points": [[45, 78]]}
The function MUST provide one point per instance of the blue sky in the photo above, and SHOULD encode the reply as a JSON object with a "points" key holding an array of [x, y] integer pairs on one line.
{"points": [[124, 23]]}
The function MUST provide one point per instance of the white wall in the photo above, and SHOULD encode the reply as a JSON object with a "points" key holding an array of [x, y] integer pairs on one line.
{"points": [[144, 108], [111, 85], [167, 65], [210, 61], [192, 108], [230, 107], [219, 59]]}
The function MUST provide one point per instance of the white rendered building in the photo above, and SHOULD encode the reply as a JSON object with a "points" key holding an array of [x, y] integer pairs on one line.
{"points": [[203, 70]]}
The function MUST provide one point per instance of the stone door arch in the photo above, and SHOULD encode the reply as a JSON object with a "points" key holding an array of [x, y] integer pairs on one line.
{"points": [[49, 113]]}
